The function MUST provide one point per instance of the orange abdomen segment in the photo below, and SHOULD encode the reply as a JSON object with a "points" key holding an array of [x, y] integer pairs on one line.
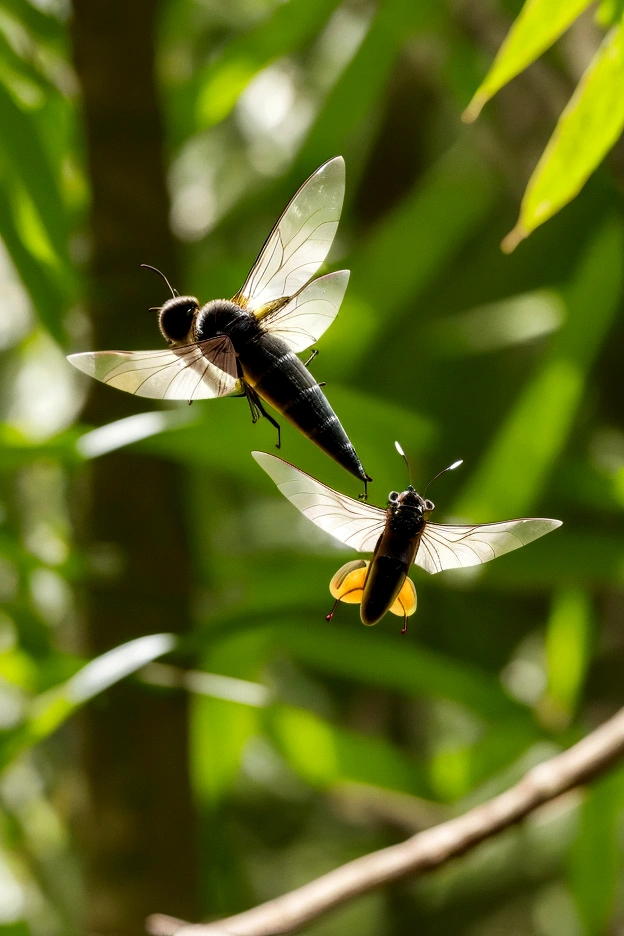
{"points": [[349, 585]]}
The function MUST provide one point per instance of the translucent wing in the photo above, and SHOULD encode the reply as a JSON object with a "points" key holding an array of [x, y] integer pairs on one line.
{"points": [[300, 241], [310, 312], [352, 522], [200, 371], [456, 547]]}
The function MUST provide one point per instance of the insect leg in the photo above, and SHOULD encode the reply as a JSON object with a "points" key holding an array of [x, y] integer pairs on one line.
{"points": [[311, 358], [252, 399], [329, 616], [404, 628], [364, 495], [259, 410]]}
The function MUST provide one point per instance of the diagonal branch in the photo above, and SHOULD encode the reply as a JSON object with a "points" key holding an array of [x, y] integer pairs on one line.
{"points": [[422, 852]]}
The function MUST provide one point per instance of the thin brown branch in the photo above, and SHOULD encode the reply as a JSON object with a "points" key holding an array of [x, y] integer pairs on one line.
{"points": [[422, 852]]}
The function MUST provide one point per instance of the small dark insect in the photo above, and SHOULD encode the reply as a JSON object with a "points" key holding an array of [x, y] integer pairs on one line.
{"points": [[398, 536], [249, 345]]}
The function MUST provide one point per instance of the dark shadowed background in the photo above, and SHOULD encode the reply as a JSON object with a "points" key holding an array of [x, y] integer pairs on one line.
{"points": [[269, 746]]}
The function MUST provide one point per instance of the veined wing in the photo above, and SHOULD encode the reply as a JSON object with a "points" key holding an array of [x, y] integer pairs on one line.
{"points": [[300, 241], [309, 313], [456, 547], [200, 371], [350, 521]]}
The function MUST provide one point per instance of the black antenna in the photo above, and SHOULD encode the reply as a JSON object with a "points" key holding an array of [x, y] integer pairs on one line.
{"points": [[450, 468], [174, 292], [404, 457]]}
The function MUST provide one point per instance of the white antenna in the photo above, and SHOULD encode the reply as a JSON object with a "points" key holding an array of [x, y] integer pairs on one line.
{"points": [[452, 467], [404, 457]]}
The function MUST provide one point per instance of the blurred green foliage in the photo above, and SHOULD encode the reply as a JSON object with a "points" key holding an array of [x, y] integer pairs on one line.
{"points": [[591, 122], [339, 739]]}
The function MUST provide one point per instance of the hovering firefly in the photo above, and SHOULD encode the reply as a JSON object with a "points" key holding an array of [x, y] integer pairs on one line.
{"points": [[249, 345], [398, 536]]}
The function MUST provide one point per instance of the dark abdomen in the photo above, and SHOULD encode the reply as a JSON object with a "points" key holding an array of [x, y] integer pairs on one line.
{"points": [[393, 557], [383, 583], [280, 378]]}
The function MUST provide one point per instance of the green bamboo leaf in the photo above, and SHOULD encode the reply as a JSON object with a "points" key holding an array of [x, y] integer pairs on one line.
{"points": [[27, 161], [539, 24], [568, 652], [597, 847], [587, 129], [282, 33], [41, 286], [326, 755], [219, 729], [50, 709]]}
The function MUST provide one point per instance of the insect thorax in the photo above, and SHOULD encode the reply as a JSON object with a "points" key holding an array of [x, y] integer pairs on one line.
{"points": [[223, 317], [407, 521]]}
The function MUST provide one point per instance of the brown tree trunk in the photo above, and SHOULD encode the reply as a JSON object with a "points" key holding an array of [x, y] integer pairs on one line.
{"points": [[138, 827]]}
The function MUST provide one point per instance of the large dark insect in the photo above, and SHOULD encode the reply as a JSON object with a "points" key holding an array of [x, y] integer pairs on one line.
{"points": [[248, 345], [398, 536]]}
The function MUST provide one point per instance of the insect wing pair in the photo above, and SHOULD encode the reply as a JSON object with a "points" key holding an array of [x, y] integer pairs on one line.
{"points": [[248, 345], [398, 536]]}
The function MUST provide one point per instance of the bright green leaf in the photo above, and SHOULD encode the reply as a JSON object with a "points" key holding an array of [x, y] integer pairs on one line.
{"points": [[595, 859], [26, 158], [539, 24], [326, 755], [50, 709], [587, 129], [568, 648], [36, 279], [219, 729]]}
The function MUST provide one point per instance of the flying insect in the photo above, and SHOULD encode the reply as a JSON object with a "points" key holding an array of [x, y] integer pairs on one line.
{"points": [[398, 536], [249, 345]]}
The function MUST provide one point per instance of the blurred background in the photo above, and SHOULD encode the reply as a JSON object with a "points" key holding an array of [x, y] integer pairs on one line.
{"points": [[269, 746]]}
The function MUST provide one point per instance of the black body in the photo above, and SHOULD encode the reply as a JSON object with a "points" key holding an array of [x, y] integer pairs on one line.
{"points": [[394, 554], [269, 368]]}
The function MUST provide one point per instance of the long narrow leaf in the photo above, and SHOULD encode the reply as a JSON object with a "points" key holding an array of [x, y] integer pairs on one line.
{"points": [[539, 24], [597, 849], [41, 287], [326, 755], [587, 129], [55, 706], [25, 154]]}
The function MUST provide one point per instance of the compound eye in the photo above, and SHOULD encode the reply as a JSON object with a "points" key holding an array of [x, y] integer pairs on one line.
{"points": [[393, 497], [428, 505]]}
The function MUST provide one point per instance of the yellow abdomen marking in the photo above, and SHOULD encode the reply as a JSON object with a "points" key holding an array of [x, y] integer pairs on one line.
{"points": [[348, 583], [406, 601]]}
